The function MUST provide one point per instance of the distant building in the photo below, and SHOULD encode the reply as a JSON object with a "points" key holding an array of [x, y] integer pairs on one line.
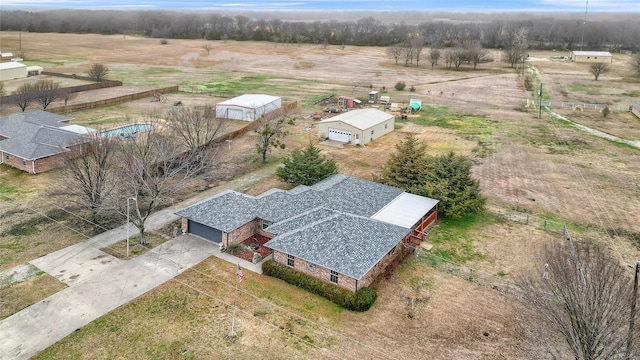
{"points": [[12, 70], [248, 107], [357, 126], [6, 56], [592, 57]]}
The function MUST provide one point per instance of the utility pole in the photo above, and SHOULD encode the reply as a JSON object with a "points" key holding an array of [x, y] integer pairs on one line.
{"points": [[584, 24], [632, 317], [540, 102]]}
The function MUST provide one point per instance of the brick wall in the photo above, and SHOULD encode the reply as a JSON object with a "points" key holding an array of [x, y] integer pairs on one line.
{"points": [[375, 271], [319, 271], [242, 233], [43, 164]]}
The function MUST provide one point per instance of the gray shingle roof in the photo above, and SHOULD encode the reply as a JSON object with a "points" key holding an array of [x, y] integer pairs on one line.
{"points": [[36, 134], [328, 224], [348, 244], [225, 211]]}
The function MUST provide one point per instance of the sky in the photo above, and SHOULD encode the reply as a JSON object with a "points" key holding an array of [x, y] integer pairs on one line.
{"points": [[624, 6]]}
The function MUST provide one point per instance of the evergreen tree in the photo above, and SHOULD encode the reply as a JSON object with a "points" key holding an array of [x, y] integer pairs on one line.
{"points": [[306, 167], [448, 179], [405, 169]]}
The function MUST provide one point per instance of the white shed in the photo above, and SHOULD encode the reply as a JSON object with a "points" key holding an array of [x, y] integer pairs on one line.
{"points": [[357, 126], [12, 70], [248, 107]]}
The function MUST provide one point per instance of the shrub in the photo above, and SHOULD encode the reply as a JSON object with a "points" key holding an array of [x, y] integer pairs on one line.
{"points": [[236, 248], [358, 301], [400, 85], [164, 42], [528, 83], [606, 111], [412, 88]]}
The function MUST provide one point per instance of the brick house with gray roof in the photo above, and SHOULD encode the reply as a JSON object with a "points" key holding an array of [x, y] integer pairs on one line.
{"points": [[36, 141], [343, 229]]}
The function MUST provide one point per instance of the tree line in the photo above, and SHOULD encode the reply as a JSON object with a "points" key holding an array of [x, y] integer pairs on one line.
{"points": [[618, 32]]}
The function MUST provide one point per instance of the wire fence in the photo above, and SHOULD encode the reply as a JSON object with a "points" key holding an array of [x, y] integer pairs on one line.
{"points": [[495, 281], [583, 106], [212, 92]]}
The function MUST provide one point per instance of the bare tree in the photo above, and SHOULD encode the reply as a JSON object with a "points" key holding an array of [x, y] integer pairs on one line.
{"points": [[517, 46], [395, 51], [476, 54], [98, 72], [152, 168], [434, 56], [196, 128], [90, 177], [598, 69], [415, 296], [271, 129], [458, 57], [46, 92], [23, 95], [207, 47], [407, 52], [585, 296], [417, 44]]}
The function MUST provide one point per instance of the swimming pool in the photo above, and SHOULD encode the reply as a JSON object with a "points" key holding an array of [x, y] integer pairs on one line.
{"points": [[126, 132]]}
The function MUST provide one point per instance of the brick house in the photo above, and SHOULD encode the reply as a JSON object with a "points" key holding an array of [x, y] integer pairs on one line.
{"points": [[342, 230], [37, 141]]}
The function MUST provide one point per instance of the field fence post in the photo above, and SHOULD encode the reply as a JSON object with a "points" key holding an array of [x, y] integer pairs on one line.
{"points": [[527, 221]]}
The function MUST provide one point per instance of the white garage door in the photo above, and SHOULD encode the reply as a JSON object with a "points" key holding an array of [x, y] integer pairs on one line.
{"points": [[235, 114], [339, 135]]}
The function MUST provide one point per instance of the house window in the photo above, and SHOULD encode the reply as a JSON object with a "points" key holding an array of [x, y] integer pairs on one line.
{"points": [[385, 125], [265, 224], [7, 156], [24, 162], [371, 132], [311, 266], [290, 259], [334, 277]]}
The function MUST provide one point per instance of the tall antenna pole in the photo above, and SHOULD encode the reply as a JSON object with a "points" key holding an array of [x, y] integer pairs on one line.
{"points": [[584, 24]]}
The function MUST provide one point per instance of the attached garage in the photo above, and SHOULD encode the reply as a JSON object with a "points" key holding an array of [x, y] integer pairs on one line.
{"points": [[358, 127], [204, 231], [248, 107]]}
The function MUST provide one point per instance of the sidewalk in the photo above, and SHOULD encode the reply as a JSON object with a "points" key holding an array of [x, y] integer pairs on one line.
{"points": [[99, 282]]}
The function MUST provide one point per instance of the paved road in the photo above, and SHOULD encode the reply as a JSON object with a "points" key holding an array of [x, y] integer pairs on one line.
{"points": [[99, 282]]}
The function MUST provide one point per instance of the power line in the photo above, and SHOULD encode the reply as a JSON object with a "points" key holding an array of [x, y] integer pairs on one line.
{"points": [[311, 344], [341, 334]]}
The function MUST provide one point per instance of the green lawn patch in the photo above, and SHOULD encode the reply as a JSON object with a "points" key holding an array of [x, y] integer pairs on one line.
{"points": [[471, 126], [453, 238]]}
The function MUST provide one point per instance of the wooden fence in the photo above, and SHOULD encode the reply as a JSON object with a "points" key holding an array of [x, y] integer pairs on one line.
{"points": [[112, 101], [11, 99]]}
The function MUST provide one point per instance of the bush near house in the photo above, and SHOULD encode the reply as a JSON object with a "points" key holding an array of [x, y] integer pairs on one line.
{"points": [[361, 300]]}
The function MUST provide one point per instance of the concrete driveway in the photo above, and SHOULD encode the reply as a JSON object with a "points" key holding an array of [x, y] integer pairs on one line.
{"points": [[98, 283]]}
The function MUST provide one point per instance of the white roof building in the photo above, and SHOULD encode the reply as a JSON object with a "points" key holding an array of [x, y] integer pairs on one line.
{"points": [[248, 107]]}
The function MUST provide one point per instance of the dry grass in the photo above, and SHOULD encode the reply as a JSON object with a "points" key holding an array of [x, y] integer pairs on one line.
{"points": [[536, 165], [20, 295]]}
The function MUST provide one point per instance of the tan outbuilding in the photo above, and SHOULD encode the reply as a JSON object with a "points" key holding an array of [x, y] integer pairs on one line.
{"points": [[358, 127], [592, 57]]}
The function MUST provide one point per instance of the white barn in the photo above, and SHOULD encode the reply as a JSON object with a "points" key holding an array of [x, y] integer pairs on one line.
{"points": [[248, 107], [12, 70]]}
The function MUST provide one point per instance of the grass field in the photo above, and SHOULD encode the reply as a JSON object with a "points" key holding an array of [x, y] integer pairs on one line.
{"points": [[537, 166]]}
